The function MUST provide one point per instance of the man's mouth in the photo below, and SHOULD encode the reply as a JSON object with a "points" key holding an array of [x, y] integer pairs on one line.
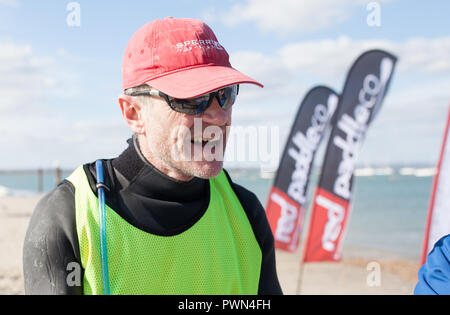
{"points": [[213, 140]]}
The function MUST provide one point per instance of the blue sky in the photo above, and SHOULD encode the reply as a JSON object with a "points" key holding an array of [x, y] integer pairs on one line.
{"points": [[59, 84]]}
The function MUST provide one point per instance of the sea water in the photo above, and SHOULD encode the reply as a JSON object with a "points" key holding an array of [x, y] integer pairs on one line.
{"points": [[388, 212], [26, 183]]}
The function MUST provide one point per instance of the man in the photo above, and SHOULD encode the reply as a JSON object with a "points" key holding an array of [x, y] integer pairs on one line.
{"points": [[174, 222], [434, 275]]}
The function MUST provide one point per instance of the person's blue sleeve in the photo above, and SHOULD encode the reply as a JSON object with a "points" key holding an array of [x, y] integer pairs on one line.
{"points": [[434, 275]]}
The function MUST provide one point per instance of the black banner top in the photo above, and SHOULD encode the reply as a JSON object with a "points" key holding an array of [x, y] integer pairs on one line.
{"points": [[312, 118], [366, 85]]}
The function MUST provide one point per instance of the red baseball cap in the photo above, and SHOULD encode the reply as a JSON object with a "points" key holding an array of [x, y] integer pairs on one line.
{"points": [[179, 57]]}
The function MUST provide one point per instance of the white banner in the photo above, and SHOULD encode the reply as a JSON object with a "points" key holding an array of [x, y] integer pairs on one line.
{"points": [[438, 223]]}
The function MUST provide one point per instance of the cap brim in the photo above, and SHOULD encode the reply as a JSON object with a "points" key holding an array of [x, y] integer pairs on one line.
{"points": [[198, 81]]}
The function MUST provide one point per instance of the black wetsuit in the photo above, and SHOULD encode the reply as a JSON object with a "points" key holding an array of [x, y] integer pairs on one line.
{"points": [[144, 197]]}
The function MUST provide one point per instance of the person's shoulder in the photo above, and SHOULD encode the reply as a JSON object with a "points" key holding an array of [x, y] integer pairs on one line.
{"points": [[56, 204], [52, 221], [434, 275], [440, 255], [444, 243], [50, 242], [61, 194]]}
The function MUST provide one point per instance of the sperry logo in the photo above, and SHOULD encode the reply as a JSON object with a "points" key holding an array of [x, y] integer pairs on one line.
{"points": [[198, 44]]}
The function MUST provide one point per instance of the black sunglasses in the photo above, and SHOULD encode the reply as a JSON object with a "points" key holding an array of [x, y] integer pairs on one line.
{"points": [[197, 105]]}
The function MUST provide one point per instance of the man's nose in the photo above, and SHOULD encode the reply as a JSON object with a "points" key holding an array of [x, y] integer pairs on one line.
{"points": [[216, 115]]}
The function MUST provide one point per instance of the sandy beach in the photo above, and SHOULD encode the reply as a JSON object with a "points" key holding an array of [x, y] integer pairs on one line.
{"points": [[354, 275]]}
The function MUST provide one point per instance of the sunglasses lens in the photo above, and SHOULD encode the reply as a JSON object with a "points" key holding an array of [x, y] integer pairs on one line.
{"points": [[198, 105], [227, 96]]}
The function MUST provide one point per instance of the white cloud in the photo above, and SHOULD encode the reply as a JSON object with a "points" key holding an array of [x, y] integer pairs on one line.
{"points": [[291, 16], [24, 77], [429, 55], [330, 59], [35, 127], [34, 83]]}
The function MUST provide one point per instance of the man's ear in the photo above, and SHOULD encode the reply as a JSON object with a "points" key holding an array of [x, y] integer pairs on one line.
{"points": [[132, 113]]}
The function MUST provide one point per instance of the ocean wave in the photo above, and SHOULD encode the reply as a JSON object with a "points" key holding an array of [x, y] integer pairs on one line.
{"points": [[418, 172], [387, 171], [369, 171]]}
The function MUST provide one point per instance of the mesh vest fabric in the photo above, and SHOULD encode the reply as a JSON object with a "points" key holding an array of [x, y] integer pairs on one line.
{"points": [[219, 254]]}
